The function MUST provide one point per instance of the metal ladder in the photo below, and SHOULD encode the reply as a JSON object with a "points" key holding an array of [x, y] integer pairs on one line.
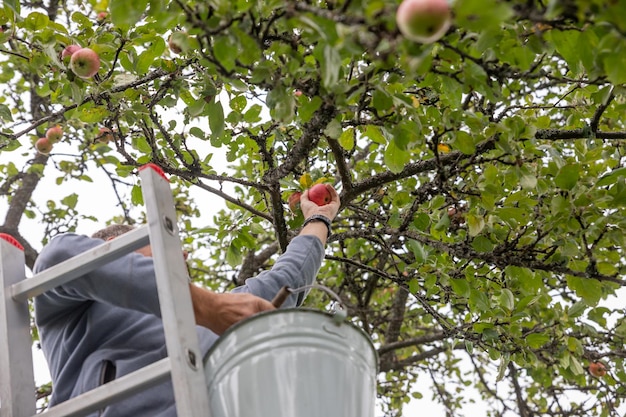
{"points": [[184, 362]]}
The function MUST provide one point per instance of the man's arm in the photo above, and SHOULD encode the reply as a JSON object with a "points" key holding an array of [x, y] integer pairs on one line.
{"points": [[297, 267]]}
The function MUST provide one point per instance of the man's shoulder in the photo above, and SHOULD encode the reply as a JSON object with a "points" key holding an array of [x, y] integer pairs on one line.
{"points": [[60, 248]]}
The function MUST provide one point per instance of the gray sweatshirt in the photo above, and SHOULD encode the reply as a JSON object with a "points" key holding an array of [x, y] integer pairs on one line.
{"points": [[106, 323]]}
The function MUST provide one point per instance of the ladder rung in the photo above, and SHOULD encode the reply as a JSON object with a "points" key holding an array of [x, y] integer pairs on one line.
{"points": [[80, 264], [118, 389]]}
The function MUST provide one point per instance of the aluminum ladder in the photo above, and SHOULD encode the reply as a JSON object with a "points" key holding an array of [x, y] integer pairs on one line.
{"points": [[184, 362]]}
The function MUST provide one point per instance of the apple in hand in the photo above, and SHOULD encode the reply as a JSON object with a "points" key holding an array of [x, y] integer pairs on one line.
{"points": [[54, 133], [294, 201], [43, 145], [597, 369], [320, 195], [424, 21], [85, 63]]}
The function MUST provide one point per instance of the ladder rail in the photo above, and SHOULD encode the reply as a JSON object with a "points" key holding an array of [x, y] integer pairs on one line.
{"points": [[81, 264], [121, 388], [181, 337], [183, 363], [17, 381]]}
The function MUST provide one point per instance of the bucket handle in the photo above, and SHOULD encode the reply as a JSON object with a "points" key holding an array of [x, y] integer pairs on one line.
{"points": [[339, 314]]}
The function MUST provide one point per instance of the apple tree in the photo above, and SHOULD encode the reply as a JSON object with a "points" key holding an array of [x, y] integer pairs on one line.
{"points": [[482, 175]]}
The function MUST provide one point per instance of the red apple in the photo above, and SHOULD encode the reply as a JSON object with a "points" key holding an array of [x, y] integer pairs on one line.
{"points": [[178, 42], [43, 145], [424, 21], [294, 201], [69, 51], [54, 133], [85, 63], [597, 369], [320, 195], [104, 135]]}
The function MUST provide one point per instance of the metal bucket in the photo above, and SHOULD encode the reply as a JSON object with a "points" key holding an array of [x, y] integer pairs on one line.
{"points": [[292, 363]]}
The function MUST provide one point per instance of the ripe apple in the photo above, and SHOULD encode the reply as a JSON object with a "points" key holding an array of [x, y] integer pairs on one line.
{"points": [[597, 369], [85, 63], [294, 201], [424, 21], [69, 51], [320, 195], [177, 42], [104, 135], [43, 145], [54, 133]]}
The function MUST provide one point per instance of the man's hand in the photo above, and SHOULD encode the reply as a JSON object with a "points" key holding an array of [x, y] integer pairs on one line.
{"points": [[329, 210], [218, 312]]}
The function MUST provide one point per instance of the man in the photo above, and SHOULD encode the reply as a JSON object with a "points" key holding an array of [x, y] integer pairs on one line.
{"points": [[106, 323]]}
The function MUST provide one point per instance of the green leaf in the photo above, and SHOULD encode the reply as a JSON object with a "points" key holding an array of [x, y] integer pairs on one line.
{"points": [[614, 67], [612, 177], [13, 5], [479, 300], [461, 287], [464, 142], [90, 114], [418, 250], [333, 129], [197, 132], [282, 104], [125, 14], [590, 290], [568, 177], [374, 134], [507, 300], [215, 112], [395, 158], [233, 255], [331, 64], [566, 44], [536, 340], [475, 224], [346, 140], [70, 201], [482, 244], [136, 196], [36, 21], [223, 47], [5, 113]]}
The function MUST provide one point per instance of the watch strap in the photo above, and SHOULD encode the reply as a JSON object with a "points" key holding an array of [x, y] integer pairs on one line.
{"points": [[319, 218]]}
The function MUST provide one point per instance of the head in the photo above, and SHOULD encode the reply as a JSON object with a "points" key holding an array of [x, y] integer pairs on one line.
{"points": [[115, 230]]}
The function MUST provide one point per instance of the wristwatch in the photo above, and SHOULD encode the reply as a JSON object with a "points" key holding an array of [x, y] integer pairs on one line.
{"points": [[319, 218]]}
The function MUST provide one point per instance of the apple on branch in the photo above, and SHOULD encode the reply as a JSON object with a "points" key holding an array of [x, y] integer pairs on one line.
{"points": [[178, 42], [85, 63], [43, 145], [68, 51], [597, 369], [294, 201], [424, 21], [104, 135], [54, 134]]}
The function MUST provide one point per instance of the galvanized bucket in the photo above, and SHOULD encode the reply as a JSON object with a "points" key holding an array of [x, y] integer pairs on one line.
{"points": [[292, 363]]}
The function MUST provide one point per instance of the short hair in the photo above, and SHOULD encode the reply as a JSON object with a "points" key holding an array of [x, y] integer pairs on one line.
{"points": [[112, 231]]}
